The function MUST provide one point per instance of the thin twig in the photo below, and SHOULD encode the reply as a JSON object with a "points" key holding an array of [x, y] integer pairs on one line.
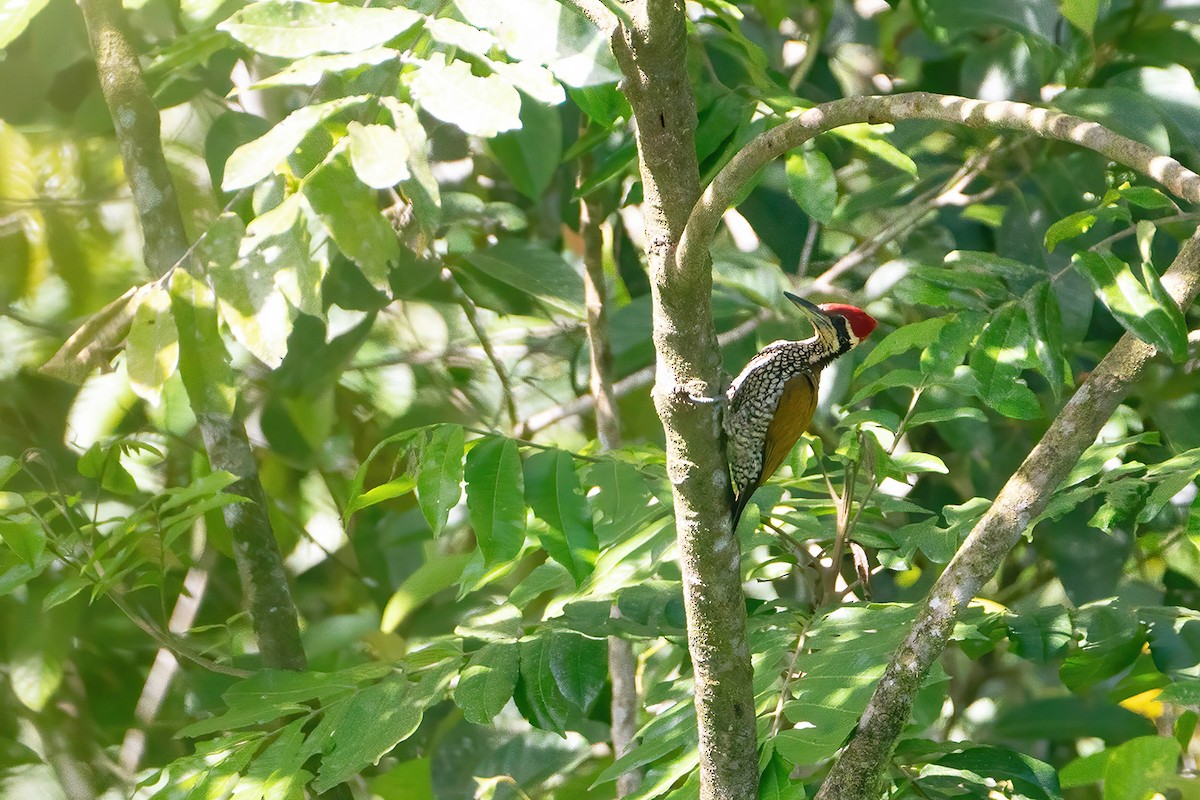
{"points": [[949, 193], [627, 385], [471, 311], [777, 715]]}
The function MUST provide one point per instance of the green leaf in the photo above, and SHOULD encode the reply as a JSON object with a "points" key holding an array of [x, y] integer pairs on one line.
{"points": [[378, 153], [63, 591], [15, 16], [1081, 13], [870, 138], [941, 359], [350, 213], [534, 269], [241, 717], [889, 380], [1045, 321], [1070, 226], [650, 749], [24, 537], [1149, 315], [812, 184], [1147, 197], [255, 160], [1140, 768], [477, 105], [1182, 693], [250, 294], [421, 188], [917, 334], [913, 463], [396, 487], [440, 475], [997, 361], [152, 345], [1085, 770], [277, 771], [550, 33], [433, 576], [277, 688], [850, 649], [1113, 640], [488, 681], [580, 667], [553, 492], [375, 720], [538, 696], [495, 498], [987, 766], [310, 71], [94, 343], [9, 467], [296, 28], [410, 780], [203, 361], [944, 414], [1041, 636], [775, 783], [530, 156], [461, 36]]}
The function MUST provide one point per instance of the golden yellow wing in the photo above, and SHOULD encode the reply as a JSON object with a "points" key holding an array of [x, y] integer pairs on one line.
{"points": [[791, 419]]}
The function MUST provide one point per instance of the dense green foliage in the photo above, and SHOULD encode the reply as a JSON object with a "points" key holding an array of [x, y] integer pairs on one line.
{"points": [[385, 201]]}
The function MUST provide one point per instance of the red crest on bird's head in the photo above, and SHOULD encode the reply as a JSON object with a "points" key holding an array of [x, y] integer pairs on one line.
{"points": [[860, 321]]}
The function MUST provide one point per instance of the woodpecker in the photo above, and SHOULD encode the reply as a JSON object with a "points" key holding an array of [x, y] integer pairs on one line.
{"points": [[772, 401]]}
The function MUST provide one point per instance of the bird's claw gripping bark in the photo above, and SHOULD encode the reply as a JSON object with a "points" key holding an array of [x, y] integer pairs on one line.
{"points": [[697, 392]]}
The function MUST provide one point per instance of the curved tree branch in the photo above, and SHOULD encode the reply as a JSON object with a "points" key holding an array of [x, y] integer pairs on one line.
{"points": [[857, 774], [702, 225]]}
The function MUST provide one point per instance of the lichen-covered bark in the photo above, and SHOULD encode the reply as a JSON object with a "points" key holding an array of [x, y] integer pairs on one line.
{"points": [[652, 53], [135, 119], [857, 774]]}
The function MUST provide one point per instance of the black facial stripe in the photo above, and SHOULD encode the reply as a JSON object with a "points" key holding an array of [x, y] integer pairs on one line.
{"points": [[842, 326]]}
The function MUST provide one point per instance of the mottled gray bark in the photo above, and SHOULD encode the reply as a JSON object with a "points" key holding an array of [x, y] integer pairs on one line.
{"points": [[135, 119], [652, 52]]}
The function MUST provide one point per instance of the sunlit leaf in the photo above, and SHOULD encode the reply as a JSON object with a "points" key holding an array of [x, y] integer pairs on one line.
{"points": [[538, 695], [478, 105], [488, 681], [296, 28], [432, 577], [554, 494], [1149, 315], [495, 497], [812, 184], [379, 154], [255, 160], [152, 345], [997, 361], [440, 474]]}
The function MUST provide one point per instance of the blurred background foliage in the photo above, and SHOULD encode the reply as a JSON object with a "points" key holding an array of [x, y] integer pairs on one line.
{"points": [[386, 200]]}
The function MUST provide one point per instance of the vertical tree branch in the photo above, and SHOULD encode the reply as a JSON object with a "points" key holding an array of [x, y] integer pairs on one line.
{"points": [[652, 53], [622, 667], [135, 119]]}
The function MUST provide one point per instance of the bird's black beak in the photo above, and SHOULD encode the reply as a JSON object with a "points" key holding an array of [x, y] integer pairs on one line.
{"points": [[821, 322]]}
